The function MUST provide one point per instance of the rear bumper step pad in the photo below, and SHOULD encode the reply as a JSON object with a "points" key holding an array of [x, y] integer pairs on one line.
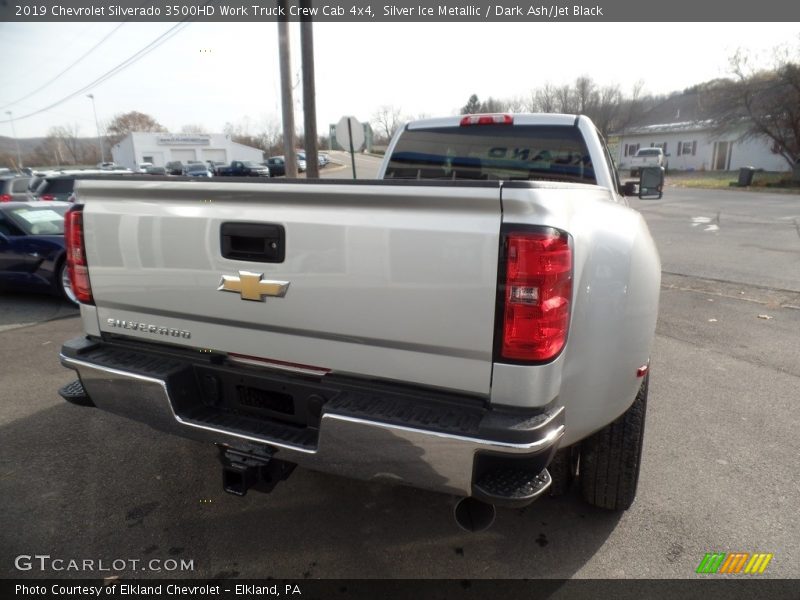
{"points": [[74, 393]]}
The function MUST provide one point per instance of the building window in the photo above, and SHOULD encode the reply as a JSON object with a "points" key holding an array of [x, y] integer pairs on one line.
{"points": [[687, 148]]}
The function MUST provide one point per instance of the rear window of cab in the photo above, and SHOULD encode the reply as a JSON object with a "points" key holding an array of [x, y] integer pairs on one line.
{"points": [[519, 152]]}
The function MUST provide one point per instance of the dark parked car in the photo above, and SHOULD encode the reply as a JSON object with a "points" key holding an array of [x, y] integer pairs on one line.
{"points": [[14, 188], [175, 167], [244, 168], [32, 252], [57, 187], [156, 171], [277, 166], [197, 170]]}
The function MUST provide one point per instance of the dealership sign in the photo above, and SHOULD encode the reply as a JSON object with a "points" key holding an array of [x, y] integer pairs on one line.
{"points": [[171, 140]]}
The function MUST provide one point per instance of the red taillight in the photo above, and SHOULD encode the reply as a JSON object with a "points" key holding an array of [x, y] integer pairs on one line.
{"points": [[77, 266], [495, 119], [537, 295], [47, 197], [5, 197]]}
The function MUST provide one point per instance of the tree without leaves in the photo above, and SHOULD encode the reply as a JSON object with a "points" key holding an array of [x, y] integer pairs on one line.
{"points": [[267, 136], [125, 123], [607, 109], [565, 99], [493, 105], [271, 135], [607, 106], [9, 160], [49, 151], [765, 103], [631, 108], [585, 95], [517, 104], [543, 99], [386, 120], [66, 137]]}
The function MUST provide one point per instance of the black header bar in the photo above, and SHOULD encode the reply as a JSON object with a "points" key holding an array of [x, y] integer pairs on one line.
{"points": [[402, 11]]}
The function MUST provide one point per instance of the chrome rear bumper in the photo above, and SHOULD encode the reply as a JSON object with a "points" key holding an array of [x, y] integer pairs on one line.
{"points": [[347, 443]]}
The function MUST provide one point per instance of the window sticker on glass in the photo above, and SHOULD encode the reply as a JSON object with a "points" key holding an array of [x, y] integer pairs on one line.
{"points": [[38, 216]]}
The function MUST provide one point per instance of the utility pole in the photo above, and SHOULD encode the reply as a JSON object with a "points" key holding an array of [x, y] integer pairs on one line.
{"points": [[97, 125], [16, 140], [309, 92], [287, 101]]}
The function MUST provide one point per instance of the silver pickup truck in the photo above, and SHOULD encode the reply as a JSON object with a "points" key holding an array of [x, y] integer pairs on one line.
{"points": [[648, 157], [478, 321]]}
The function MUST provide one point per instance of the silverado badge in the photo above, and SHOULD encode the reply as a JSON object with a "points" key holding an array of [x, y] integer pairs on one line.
{"points": [[251, 286]]}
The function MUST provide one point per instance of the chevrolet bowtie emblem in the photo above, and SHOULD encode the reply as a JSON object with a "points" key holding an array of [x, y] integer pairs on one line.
{"points": [[251, 286]]}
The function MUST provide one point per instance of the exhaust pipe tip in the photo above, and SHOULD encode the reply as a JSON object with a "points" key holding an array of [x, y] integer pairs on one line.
{"points": [[473, 515]]}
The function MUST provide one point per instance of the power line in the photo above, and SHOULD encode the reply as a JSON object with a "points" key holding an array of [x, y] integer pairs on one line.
{"points": [[84, 55], [110, 73]]}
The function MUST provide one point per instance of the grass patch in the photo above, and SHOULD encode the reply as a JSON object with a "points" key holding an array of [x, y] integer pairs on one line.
{"points": [[762, 180]]}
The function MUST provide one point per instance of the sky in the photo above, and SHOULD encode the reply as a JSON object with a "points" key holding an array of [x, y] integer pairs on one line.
{"points": [[212, 73]]}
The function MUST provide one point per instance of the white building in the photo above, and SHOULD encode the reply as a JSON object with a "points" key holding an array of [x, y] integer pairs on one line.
{"points": [[160, 148], [695, 147], [682, 128]]}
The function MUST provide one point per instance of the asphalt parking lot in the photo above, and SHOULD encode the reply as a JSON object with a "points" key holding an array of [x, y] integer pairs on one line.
{"points": [[721, 447]]}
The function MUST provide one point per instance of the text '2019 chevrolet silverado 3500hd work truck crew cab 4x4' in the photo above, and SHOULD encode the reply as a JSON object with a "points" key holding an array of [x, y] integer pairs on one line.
{"points": [[491, 300]]}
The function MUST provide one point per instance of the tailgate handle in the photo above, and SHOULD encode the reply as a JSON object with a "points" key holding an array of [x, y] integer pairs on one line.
{"points": [[255, 242]]}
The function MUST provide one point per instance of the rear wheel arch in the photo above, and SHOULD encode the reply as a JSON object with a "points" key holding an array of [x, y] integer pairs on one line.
{"points": [[610, 459]]}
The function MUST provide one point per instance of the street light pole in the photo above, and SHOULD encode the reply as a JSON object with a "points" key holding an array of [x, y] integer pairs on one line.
{"points": [[16, 140], [97, 124]]}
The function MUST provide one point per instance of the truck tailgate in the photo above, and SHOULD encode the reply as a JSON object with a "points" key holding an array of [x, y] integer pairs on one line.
{"points": [[385, 280]]}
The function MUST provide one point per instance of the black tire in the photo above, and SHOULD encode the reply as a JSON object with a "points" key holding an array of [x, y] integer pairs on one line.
{"points": [[63, 286], [610, 458]]}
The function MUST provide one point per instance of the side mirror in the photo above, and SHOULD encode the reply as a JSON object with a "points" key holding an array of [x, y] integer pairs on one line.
{"points": [[651, 182]]}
